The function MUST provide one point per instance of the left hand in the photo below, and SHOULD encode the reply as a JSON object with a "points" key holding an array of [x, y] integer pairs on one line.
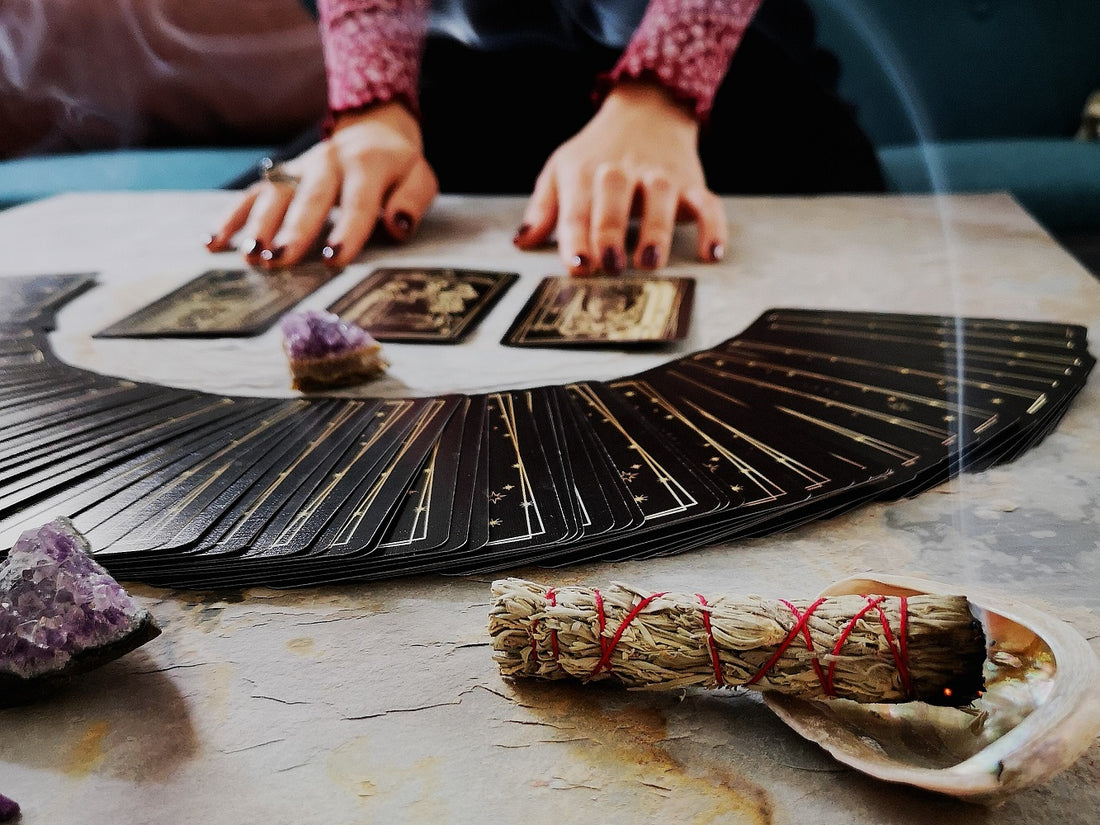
{"points": [[638, 155]]}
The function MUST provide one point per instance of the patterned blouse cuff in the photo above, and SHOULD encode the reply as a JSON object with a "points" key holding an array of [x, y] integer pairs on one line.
{"points": [[686, 46], [372, 52]]}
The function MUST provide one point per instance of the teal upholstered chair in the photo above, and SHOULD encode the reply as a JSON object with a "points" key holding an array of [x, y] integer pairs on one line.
{"points": [[976, 95], [27, 179]]}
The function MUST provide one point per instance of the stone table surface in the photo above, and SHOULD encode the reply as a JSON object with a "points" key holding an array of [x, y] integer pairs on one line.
{"points": [[381, 703]]}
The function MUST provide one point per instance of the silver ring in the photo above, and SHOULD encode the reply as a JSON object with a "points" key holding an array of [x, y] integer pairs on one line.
{"points": [[274, 172]]}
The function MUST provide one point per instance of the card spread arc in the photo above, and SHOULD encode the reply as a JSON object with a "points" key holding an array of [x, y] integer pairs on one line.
{"points": [[805, 414]]}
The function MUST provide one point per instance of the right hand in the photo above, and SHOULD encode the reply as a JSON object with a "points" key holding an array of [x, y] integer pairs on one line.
{"points": [[373, 167]]}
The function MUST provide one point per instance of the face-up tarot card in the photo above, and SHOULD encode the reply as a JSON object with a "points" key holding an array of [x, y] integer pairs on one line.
{"points": [[570, 312], [422, 305], [223, 303]]}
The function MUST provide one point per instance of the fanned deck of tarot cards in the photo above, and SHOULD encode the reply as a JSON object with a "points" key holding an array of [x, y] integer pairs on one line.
{"points": [[803, 415]]}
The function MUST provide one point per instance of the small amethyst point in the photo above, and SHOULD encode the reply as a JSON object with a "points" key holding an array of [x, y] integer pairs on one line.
{"points": [[316, 334], [325, 352], [60, 612]]}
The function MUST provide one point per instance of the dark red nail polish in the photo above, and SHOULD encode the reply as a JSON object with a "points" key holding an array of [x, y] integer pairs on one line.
{"points": [[649, 256], [403, 222], [331, 252], [521, 233], [581, 265], [254, 248], [717, 251], [614, 261], [273, 255]]}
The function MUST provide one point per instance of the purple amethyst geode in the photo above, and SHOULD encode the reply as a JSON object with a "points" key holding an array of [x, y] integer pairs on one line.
{"points": [[61, 613], [315, 334]]}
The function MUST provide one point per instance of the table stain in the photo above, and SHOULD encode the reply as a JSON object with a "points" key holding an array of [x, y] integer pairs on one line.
{"points": [[302, 645], [370, 774], [624, 738], [88, 751]]}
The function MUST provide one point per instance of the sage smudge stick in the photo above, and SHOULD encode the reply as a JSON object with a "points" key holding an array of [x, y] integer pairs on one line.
{"points": [[867, 648]]}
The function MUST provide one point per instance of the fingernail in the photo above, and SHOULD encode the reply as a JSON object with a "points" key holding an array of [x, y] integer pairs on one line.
{"points": [[717, 251], [580, 265], [614, 261], [330, 253], [212, 244], [273, 255], [521, 233], [254, 248], [403, 222], [649, 256]]}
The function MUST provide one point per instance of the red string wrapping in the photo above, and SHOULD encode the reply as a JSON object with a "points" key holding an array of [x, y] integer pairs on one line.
{"points": [[603, 620], [791, 636], [843, 637], [711, 644], [551, 599], [809, 641], [898, 650], [609, 649]]}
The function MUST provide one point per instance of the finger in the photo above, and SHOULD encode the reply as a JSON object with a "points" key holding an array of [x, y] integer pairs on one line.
{"points": [[265, 218], [611, 199], [409, 201], [541, 212], [574, 224], [305, 217], [657, 224], [712, 227], [233, 220], [360, 205]]}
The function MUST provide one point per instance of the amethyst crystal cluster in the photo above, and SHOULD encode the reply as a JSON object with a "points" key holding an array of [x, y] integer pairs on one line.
{"points": [[60, 612], [315, 334]]}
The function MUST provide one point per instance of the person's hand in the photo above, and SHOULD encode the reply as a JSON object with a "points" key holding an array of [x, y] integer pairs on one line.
{"points": [[638, 155], [372, 166]]}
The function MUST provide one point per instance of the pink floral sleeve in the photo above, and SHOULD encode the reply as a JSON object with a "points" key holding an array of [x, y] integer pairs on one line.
{"points": [[372, 51], [686, 45]]}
